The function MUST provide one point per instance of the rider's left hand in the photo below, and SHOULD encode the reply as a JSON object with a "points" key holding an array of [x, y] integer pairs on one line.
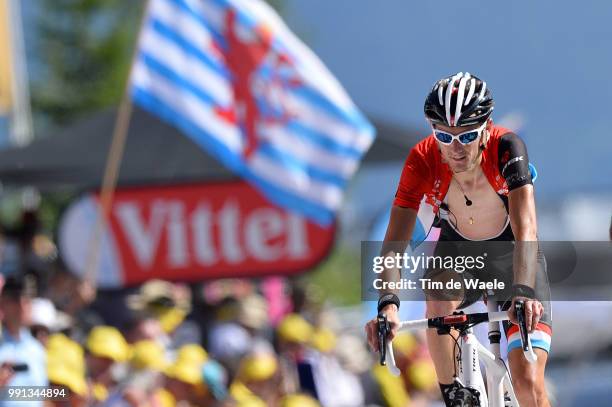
{"points": [[533, 312]]}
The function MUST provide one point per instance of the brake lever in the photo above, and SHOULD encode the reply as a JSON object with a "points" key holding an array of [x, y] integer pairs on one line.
{"points": [[519, 309], [383, 330], [384, 346]]}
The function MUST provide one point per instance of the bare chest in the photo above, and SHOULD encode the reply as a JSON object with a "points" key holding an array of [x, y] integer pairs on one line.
{"points": [[485, 218]]}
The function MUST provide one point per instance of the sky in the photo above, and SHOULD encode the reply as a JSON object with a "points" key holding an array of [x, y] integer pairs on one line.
{"points": [[547, 61]]}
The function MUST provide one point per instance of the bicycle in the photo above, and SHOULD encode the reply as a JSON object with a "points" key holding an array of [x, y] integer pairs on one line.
{"points": [[471, 389]]}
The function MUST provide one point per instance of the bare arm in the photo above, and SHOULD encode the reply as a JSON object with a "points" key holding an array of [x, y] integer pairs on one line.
{"points": [[399, 231], [514, 167], [524, 226], [414, 181], [397, 237], [525, 260]]}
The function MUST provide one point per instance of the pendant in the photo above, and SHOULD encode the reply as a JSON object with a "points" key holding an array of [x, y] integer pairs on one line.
{"points": [[471, 220]]}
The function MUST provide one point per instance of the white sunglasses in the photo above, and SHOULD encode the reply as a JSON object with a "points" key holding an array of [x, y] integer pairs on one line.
{"points": [[465, 138]]}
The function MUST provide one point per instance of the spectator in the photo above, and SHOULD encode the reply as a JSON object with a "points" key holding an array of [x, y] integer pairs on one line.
{"points": [[299, 400], [17, 347], [66, 368], [216, 379], [334, 385], [45, 320], [191, 353], [142, 327], [307, 298], [356, 358], [250, 402], [106, 348], [258, 377], [147, 355], [417, 369], [168, 304], [240, 330], [391, 387], [144, 378], [185, 384], [293, 335]]}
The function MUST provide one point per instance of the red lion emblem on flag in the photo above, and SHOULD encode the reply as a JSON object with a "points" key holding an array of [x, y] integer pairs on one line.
{"points": [[256, 97]]}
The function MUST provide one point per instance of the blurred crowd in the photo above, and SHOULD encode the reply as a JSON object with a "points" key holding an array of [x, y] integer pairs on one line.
{"points": [[234, 342]]}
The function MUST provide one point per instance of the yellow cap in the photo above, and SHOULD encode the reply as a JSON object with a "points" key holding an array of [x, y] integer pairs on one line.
{"points": [[293, 328], [148, 354], [404, 343], [252, 311], [257, 367], [61, 374], [163, 300], [187, 372], [165, 398], [106, 341], [100, 392], [240, 392], [299, 400], [422, 375], [57, 340], [170, 318], [63, 351], [324, 340], [251, 402], [154, 293], [391, 387], [192, 353]]}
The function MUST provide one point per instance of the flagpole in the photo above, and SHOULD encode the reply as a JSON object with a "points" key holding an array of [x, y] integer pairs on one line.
{"points": [[111, 172], [21, 121], [109, 184]]}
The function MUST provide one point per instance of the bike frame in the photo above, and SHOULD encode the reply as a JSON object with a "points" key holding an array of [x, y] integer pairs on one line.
{"points": [[472, 353], [498, 376]]}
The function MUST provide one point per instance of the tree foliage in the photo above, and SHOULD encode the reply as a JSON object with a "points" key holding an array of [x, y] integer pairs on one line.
{"points": [[338, 276], [83, 52]]}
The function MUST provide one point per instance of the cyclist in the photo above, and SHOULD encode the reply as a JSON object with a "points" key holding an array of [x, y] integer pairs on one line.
{"points": [[474, 176]]}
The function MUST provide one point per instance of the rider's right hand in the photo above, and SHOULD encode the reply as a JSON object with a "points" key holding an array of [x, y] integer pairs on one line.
{"points": [[371, 327]]}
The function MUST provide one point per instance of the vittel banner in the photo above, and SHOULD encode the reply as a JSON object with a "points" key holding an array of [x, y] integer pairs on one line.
{"points": [[191, 233]]}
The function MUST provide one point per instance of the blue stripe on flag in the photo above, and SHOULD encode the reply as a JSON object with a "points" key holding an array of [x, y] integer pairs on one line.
{"points": [[318, 138], [177, 80], [187, 46], [323, 140], [195, 132], [353, 118], [268, 72], [301, 167], [186, 7], [313, 96], [290, 201], [283, 158], [276, 194]]}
